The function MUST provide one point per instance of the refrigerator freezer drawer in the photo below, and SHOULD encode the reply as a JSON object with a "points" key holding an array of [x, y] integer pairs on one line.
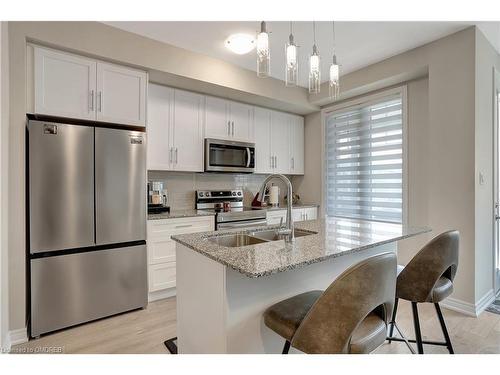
{"points": [[77, 288]]}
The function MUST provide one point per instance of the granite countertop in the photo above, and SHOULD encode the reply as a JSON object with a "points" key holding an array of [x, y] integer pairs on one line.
{"points": [[192, 212], [333, 237], [173, 214], [283, 207]]}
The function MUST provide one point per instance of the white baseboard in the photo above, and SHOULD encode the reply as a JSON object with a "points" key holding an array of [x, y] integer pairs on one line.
{"points": [[161, 294], [15, 337], [467, 308]]}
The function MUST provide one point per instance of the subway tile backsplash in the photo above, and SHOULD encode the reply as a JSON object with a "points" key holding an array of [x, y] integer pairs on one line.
{"points": [[181, 186]]}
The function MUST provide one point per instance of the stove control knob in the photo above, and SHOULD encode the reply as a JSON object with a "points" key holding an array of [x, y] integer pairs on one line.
{"points": [[200, 194], [234, 193], [239, 193]]}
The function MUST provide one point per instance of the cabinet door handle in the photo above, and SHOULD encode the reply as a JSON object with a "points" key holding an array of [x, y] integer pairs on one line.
{"points": [[232, 126], [92, 100], [293, 163], [176, 155], [229, 128], [275, 162], [99, 95], [183, 226], [170, 155]]}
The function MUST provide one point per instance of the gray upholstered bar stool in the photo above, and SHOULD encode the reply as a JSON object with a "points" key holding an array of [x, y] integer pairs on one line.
{"points": [[428, 278], [350, 316]]}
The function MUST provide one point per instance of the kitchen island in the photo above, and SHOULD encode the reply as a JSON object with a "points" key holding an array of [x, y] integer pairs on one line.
{"points": [[226, 279]]}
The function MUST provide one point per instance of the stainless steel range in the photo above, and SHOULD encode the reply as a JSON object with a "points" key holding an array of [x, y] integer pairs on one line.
{"points": [[229, 209]]}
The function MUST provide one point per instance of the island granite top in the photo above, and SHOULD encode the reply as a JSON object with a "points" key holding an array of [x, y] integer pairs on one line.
{"points": [[333, 237]]}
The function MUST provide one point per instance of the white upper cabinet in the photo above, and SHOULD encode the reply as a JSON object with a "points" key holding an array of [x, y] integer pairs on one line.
{"points": [[217, 123], [226, 119], [280, 142], [64, 84], [296, 144], [187, 130], [159, 144], [175, 129], [73, 86], [121, 94], [242, 125], [263, 157]]}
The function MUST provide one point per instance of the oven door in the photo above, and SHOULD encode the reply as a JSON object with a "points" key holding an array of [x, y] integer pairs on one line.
{"points": [[229, 156], [242, 224]]}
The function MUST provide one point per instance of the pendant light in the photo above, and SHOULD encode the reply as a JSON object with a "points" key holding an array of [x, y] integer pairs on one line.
{"points": [[334, 81], [263, 53], [291, 63], [314, 67]]}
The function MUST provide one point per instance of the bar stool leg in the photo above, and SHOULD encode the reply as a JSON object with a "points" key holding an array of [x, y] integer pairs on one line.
{"points": [[416, 323], [393, 320], [443, 327], [286, 348]]}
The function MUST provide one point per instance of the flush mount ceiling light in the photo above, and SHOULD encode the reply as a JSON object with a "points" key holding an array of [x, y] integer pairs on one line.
{"points": [[240, 43]]}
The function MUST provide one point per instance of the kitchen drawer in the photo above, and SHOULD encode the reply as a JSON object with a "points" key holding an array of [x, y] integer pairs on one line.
{"points": [[161, 251], [162, 229], [161, 276]]}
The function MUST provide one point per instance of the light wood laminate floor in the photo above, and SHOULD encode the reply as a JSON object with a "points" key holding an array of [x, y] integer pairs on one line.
{"points": [[143, 331]]}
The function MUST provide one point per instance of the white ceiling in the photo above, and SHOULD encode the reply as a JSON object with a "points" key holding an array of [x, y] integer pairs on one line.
{"points": [[359, 44]]}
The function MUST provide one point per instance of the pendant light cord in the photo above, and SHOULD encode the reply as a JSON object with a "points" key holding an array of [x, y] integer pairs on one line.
{"points": [[333, 32], [314, 32]]}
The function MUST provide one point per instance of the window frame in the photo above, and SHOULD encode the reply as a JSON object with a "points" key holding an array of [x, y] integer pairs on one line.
{"points": [[362, 101]]}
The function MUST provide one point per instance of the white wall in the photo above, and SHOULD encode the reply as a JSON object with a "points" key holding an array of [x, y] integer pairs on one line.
{"points": [[4, 125]]}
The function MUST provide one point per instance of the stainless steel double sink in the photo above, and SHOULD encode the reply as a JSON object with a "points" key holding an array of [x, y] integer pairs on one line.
{"points": [[253, 238]]}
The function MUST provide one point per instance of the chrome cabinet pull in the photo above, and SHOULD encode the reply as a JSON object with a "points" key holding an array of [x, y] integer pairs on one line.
{"points": [[183, 226], [275, 162], [229, 128], [92, 100], [99, 95], [232, 125], [170, 155], [176, 155]]}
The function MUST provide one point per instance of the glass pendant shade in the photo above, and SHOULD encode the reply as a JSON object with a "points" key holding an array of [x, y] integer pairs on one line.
{"points": [[334, 82], [314, 72], [291, 64], [263, 53]]}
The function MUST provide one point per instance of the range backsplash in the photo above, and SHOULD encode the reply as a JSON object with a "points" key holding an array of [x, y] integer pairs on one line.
{"points": [[181, 186]]}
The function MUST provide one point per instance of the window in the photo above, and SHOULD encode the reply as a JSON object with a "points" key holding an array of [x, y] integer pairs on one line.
{"points": [[364, 160]]}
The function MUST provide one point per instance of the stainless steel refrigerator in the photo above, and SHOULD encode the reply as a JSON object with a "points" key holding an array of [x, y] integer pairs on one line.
{"points": [[86, 223]]}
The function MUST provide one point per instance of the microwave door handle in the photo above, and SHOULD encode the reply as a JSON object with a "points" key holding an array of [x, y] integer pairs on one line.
{"points": [[248, 157]]}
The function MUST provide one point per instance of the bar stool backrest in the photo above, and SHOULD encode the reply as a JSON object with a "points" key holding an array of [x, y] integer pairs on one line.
{"points": [[366, 287], [437, 258]]}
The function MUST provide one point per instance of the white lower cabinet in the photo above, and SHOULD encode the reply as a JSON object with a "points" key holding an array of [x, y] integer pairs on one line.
{"points": [[161, 250], [274, 217]]}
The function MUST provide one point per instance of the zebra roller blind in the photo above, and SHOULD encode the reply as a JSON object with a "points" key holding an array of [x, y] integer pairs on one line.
{"points": [[364, 161]]}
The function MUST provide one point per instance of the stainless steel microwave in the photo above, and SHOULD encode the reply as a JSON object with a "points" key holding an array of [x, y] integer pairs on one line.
{"points": [[229, 156]]}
